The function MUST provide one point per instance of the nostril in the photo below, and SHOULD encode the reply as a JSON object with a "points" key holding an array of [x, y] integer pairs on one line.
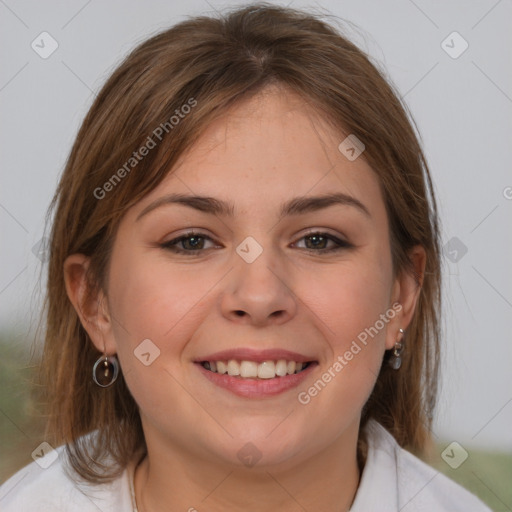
{"points": [[239, 313]]}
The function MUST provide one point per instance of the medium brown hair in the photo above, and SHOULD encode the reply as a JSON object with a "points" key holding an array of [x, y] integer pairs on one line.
{"points": [[217, 62]]}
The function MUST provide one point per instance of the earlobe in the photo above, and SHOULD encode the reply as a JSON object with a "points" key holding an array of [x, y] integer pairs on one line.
{"points": [[89, 304]]}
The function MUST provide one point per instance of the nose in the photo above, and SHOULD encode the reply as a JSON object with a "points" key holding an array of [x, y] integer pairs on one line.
{"points": [[259, 293]]}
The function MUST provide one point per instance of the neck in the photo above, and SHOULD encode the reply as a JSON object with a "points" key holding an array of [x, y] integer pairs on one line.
{"points": [[326, 481]]}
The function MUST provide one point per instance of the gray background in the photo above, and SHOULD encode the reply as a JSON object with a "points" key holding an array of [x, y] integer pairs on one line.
{"points": [[462, 107]]}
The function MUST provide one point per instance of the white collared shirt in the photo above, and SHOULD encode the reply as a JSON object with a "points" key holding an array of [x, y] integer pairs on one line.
{"points": [[393, 480]]}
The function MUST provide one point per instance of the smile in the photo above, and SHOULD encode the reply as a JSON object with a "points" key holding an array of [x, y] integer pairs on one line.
{"points": [[254, 370], [256, 374]]}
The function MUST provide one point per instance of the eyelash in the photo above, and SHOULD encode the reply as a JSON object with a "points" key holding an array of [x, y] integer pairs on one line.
{"points": [[171, 245]]}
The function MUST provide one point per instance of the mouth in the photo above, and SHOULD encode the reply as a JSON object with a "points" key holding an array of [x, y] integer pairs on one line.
{"points": [[246, 369], [256, 374]]}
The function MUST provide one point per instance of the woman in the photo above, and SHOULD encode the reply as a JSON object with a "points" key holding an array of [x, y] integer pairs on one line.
{"points": [[244, 284]]}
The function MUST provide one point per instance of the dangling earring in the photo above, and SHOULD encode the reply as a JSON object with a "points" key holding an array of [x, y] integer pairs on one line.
{"points": [[105, 371], [395, 361]]}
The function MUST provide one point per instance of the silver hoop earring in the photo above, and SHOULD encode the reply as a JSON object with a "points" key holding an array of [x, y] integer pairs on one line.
{"points": [[105, 371], [395, 361]]}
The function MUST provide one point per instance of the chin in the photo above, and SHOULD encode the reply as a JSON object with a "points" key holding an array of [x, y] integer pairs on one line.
{"points": [[262, 446]]}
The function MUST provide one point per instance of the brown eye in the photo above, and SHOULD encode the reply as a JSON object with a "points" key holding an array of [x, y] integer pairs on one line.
{"points": [[189, 243], [192, 242], [318, 242]]}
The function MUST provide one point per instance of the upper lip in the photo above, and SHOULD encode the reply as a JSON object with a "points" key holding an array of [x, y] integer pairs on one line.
{"points": [[258, 356]]}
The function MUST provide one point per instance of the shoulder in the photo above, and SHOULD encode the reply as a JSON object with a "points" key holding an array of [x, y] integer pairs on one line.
{"points": [[47, 485], [423, 488], [406, 483]]}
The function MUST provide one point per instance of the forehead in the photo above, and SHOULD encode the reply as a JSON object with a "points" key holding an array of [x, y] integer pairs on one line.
{"points": [[268, 148]]}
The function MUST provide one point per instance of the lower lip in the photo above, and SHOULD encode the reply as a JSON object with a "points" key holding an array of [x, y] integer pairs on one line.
{"points": [[256, 388]]}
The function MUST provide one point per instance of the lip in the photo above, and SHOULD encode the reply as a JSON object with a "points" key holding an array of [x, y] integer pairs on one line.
{"points": [[258, 356], [256, 388]]}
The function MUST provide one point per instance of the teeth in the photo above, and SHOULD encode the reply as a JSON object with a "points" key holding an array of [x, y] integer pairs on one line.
{"points": [[267, 370], [281, 368], [233, 367], [248, 369], [253, 370], [222, 367]]}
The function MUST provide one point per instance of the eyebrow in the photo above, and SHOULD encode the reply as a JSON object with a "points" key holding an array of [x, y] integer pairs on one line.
{"points": [[296, 206]]}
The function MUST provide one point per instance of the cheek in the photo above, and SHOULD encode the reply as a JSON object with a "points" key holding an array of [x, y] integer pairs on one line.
{"points": [[161, 303], [351, 299], [156, 299], [165, 303], [353, 302], [346, 378]]}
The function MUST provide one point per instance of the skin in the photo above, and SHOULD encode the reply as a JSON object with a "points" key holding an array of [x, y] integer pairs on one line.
{"points": [[261, 153]]}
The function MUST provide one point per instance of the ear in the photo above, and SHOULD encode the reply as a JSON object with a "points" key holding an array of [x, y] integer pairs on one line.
{"points": [[90, 305], [406, 290]]}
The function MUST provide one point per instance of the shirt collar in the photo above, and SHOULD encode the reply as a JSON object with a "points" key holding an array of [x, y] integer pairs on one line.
{"points": [[378, 487]]}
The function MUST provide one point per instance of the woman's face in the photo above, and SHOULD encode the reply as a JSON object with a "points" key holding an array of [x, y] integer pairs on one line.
{"points": [[270, 280]]}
